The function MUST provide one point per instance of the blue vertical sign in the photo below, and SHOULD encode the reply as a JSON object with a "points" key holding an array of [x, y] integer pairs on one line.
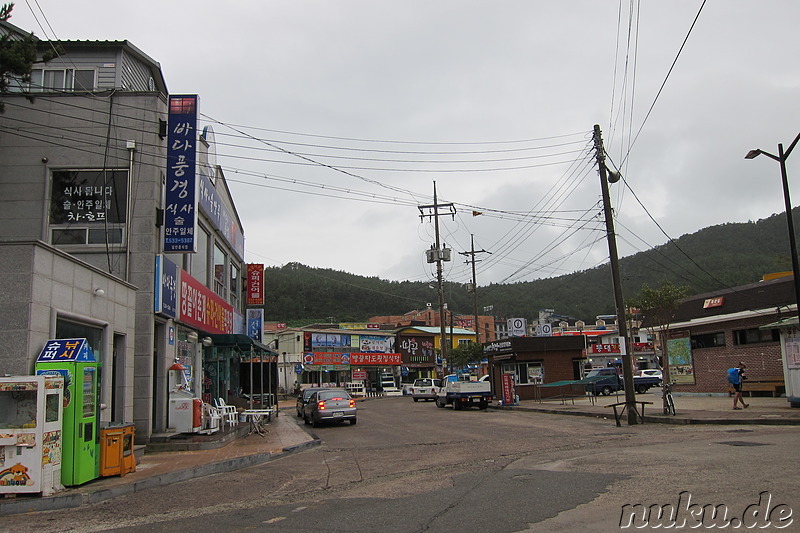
{"points": [[166, 287], [255, 324], [180, 214]]}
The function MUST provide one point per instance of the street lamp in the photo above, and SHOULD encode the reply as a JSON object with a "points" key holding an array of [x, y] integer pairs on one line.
{"points": [[781, 158]]}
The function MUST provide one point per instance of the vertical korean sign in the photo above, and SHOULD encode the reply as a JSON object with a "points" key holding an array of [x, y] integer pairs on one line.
{"points": [[255, 284], [180, 215]]}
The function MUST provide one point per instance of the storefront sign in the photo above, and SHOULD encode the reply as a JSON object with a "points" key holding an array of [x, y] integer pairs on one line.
{"points": [[509, 394], [376, 344], [180, 214], [221, 218], [614, 348], [517, 327], [255, 324], [166, 287], [375, 359], [416, 349], [359, 375], [255, 284], [201, 308]]}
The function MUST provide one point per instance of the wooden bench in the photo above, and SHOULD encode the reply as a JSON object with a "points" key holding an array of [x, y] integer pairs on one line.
{"points": [[773, 384], [618, 416]]}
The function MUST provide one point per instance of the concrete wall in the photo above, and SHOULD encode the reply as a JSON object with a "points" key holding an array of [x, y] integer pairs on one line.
{"points": [[41, 284]]}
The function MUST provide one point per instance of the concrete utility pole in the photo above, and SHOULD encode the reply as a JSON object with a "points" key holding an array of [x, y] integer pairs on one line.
{"points": [[472, 253], [437, 255], [627, 365]]}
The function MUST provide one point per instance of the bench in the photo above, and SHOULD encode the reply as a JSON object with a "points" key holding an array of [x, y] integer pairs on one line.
{"points": [[772, 384], [618, 416]]}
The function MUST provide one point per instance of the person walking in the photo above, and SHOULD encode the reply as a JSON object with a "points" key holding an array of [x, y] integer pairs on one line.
{"points": [[735, 378]]}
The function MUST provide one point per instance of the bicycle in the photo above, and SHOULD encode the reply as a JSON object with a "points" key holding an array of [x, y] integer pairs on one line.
{"points": [[669, 402]]}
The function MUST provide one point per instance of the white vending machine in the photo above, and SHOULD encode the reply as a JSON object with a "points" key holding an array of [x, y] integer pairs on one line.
{"points": [[31, 410]]}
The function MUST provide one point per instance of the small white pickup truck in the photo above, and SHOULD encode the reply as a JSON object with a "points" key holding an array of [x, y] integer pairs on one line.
{"points": [[463, 392]]}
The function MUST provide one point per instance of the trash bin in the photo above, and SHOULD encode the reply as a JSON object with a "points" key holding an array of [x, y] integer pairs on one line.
{"points": [[116, 450]]}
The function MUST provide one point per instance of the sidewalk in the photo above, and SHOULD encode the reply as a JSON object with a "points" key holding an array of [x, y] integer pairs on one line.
{"points": [[690, 409], [164, 468]]}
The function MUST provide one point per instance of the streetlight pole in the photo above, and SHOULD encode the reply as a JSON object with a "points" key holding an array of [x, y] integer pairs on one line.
{"points": [[781, 159]]}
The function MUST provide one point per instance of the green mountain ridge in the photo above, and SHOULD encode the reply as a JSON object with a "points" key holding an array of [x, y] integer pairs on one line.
{"points": [[713, 258]]}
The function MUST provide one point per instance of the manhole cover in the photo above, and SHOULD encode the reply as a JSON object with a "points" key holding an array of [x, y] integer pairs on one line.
{"points": [[743, 443]]}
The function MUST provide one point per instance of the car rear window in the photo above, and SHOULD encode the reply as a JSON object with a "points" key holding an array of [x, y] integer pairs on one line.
{"points": [[329, 394]]}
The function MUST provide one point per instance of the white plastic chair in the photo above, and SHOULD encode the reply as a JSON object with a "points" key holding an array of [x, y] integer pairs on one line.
{"points": [[229, 413], [212, 418]]}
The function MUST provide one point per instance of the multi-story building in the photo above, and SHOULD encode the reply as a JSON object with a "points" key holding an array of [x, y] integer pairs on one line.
{"points": [[83, 168]]}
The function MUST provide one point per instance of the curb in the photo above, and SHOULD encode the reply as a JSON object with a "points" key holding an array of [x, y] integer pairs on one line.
{"points": [[35, 503], [675, 420]]}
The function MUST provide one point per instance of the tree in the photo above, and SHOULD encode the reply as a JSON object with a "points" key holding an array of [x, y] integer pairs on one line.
{"points": [[464, 354], [658, 306], [17, 57]]}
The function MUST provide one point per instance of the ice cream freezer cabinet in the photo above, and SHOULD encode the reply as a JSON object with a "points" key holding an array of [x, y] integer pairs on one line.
{"points": [[31, 409]]}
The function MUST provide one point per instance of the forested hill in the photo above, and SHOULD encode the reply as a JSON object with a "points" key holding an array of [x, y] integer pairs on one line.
{"points": [[720, 256]]}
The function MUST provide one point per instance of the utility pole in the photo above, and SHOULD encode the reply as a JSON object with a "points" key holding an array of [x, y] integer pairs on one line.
{"points": [[437, 255], [472, 253], [627, 365]]}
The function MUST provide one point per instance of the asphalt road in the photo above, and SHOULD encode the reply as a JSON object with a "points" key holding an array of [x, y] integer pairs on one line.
{"points": [[411, 467]]}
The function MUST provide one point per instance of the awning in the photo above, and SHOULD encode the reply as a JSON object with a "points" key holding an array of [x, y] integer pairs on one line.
{"points": [[243, 342]]}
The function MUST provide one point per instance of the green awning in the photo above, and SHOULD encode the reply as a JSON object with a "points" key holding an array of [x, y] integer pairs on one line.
{"points": [[242, 342]]}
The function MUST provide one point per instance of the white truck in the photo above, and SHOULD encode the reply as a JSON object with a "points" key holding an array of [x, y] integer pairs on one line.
{"points": [[462, 391]]}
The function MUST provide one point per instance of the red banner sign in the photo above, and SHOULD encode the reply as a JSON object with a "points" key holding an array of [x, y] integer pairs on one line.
{"points": [[255, 284], [508, 389], [201, 308], [375, 359], [337, 358]]}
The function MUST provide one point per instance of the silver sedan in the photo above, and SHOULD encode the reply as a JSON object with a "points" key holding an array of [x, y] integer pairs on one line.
{"points": [[329, 406]]}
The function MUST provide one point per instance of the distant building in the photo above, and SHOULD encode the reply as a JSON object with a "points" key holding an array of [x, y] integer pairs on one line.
{"points": [[714, 331]]}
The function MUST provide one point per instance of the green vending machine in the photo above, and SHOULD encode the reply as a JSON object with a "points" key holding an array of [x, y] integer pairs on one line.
{"points": [[73, 359]]}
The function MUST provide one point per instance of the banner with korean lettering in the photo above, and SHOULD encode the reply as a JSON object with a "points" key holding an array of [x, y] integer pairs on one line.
{"points": [[375, 359], [255, 324], [201, 308], [255, 284], [180, 213]]}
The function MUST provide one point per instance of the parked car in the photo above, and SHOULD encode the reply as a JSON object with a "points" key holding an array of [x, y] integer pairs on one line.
{"points": [[303, 397], [425, 389], [650, 373], [329, 405]]}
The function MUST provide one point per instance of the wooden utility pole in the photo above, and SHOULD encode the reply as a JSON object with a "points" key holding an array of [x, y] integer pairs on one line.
{"points": [[472, 253], [627, 365], [437, 255]]}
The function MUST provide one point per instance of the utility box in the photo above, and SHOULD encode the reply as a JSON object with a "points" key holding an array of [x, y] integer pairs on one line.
{"points": [[116, 450]]}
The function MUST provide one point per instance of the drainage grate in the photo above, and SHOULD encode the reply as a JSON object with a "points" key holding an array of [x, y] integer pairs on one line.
{"points": [[743, 443]]}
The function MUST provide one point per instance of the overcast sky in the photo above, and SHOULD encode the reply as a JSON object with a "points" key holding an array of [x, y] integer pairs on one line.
{"points": [[335, 118]]}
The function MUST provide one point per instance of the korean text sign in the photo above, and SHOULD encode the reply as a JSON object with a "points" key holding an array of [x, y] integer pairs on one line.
{"points": [[180, 214], [255, 284]]}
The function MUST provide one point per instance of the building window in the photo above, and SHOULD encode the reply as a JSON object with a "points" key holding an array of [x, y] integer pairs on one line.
{"points": [[708, 340], [236, 289], [525, 373], [88, 206], [200, 259], [62, 79], [755, 335], [220, 260]]}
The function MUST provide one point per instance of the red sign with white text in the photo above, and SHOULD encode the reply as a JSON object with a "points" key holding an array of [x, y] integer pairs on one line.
{"points": [[375, 359], [255, 284], [201, 308], [509, 393]]}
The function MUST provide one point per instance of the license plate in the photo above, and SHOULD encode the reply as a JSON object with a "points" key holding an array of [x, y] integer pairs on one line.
{"points": [[338, 414]]}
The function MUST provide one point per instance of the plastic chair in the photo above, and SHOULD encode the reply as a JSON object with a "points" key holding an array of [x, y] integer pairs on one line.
{"points": [[212, 418], [229, 413]]}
